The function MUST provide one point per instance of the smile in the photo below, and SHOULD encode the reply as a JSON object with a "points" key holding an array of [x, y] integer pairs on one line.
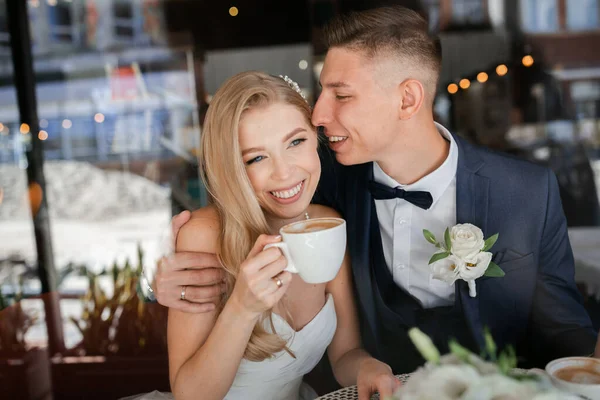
{"points": [[289, 193], [337, 138]]}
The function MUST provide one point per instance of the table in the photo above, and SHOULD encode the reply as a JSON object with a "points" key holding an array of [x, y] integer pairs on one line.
{"points": [[350, 393]]}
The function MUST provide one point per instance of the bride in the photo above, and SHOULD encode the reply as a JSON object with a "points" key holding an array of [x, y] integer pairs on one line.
{"points": [[260, 164]]}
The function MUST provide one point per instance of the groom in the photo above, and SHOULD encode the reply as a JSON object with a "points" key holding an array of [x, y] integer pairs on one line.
{"points": [[376, 109]]}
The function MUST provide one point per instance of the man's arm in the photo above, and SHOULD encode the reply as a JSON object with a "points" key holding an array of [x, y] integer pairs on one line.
{"points": [[199, 273], [560, 324]]}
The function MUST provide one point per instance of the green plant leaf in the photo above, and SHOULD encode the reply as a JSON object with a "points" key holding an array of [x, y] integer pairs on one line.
{"points": [[494, 271], [430, 237], [489, 242], [490, 345], [438, 256], [447, 239], [507, 360], [459, 351], [424, 345]]}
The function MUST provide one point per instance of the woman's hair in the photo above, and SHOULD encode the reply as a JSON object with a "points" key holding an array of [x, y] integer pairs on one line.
{"points": [[224, 174]]}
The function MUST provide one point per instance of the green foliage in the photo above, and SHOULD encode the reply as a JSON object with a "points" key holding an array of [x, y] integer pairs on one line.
{"points": [[122, 324]]}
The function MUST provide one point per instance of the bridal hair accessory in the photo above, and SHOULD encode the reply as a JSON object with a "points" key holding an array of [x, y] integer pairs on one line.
{"points": [[293, 85]]}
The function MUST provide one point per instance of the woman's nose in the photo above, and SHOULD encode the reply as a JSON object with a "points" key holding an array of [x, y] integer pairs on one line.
{"points": [[282, 168]]}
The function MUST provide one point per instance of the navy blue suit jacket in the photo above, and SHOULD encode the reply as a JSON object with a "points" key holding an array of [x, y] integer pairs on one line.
{"points": [[536, 305]]}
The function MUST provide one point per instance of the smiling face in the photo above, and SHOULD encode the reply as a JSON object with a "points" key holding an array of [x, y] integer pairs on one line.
{"points": [[279, 150], [358, 111]]}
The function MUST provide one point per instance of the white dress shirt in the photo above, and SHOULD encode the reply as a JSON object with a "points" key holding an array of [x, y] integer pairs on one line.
{"points": [[406, 251]]}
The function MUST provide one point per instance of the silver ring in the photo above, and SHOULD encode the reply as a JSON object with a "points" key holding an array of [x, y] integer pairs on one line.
{"points": [[278, 282], [183, 292]]}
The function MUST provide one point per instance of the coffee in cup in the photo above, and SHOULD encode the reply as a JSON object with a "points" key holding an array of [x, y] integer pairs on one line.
{"points": [[314, 248], [578, 375]]}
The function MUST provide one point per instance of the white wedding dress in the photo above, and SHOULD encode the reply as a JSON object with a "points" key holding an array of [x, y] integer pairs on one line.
{"points": [[280, 377]]}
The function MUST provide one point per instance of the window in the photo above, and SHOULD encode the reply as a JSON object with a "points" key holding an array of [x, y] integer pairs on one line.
{"points": [[539, 16], [583, 15], [586, 99], [468, 12], [433, 12], [62, 21]]}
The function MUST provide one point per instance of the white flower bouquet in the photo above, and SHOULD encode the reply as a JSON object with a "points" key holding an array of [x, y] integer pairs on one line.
{"points": [[462, 375], [463, 255]]}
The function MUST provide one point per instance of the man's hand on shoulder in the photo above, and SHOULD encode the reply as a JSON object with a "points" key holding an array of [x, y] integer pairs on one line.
{"points": [[188, 281]]}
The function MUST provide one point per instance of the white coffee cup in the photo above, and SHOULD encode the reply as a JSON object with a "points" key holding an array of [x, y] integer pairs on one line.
{"points": [[314, 248], [587, 364]]}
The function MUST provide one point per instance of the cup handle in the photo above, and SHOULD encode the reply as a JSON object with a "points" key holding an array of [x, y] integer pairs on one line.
{"points": [[286, 253]]}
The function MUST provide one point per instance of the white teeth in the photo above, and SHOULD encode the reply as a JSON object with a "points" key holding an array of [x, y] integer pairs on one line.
{"points": [[286, 194], [337, 138]]}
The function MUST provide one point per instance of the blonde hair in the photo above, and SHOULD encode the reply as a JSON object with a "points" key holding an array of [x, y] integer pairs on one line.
{"points": [[224, 174]]}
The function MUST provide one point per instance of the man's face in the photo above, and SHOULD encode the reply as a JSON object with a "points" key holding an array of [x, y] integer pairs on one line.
{"points": [[358, 109]]}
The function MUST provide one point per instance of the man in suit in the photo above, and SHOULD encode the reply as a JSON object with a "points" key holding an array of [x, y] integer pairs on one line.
{"points": [[392, 172]]}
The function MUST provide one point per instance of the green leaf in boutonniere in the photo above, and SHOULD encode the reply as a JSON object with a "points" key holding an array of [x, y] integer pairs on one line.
{"points": [[429, 236], [447, 240], [489, 242], [494, 271], [438, 256]]}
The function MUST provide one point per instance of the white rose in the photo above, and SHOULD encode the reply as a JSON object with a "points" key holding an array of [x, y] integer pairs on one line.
{"points": [[467, 241], [448, 269]]}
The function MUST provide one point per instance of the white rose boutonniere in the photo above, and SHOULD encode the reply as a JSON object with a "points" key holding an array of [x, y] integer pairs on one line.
{"points": [[463, 255]]}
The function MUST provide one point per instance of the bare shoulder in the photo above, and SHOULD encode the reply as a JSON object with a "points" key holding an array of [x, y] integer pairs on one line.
{"points": [[319, 211], [201, 232]]}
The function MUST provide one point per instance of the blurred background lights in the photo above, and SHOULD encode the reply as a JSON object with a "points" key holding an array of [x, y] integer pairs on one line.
{"points": [[527, 61], [501, 70]]}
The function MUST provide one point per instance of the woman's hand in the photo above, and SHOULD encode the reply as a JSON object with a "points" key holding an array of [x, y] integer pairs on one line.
{"points": [[261, 281], [375, 376]]}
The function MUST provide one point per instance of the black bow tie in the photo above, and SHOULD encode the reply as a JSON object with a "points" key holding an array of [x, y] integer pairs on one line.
{"points": [[383, 192]]}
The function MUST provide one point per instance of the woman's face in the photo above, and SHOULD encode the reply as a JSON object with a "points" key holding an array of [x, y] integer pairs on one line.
{"points": [[279, 149]]}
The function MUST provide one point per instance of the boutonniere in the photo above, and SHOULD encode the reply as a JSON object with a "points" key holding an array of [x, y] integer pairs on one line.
{"points": [[463, 255]]}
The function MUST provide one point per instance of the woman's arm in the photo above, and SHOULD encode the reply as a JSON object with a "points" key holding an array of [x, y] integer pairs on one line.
{"points": [[205, 350]]}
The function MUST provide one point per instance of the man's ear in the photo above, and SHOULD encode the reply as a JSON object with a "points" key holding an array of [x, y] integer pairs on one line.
{"points": [[412, 94]]}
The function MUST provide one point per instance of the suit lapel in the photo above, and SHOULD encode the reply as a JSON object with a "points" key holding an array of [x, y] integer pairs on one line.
{"points": [[472, 191], [358, 234]]}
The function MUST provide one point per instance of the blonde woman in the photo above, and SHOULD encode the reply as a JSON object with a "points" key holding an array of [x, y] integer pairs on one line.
{"points": [[260, 164]]}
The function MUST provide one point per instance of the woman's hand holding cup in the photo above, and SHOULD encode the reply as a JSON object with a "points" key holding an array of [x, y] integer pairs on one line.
{"points": [[261, 281]]}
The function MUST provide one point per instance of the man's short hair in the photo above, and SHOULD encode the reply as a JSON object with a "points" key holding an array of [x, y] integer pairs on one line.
{"points": [[393, 30]]}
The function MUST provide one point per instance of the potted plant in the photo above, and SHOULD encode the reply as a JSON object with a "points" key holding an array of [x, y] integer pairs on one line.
{"points": [[24, 371], [123, 350]]}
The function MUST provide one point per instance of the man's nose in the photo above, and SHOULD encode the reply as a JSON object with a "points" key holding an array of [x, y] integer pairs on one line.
{"points": [[322, 113]]}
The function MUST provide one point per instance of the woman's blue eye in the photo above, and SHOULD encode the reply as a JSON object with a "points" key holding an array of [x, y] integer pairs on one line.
{"points": [[255, 159], [296, 142]]}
